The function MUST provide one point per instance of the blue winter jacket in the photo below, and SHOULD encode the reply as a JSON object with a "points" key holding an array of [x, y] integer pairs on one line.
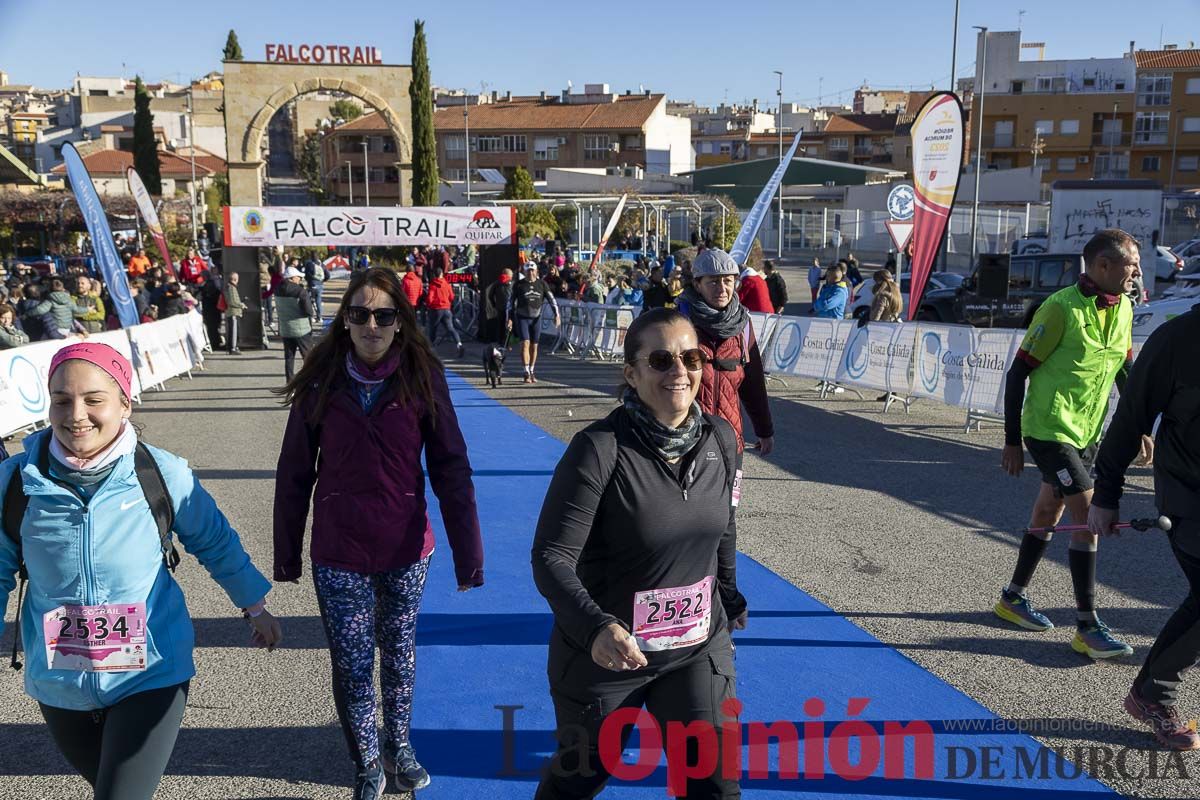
{"points": [[108, 552], [831, 302]]}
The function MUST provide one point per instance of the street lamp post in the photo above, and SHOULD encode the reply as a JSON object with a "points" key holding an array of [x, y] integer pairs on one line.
{"points": [[779, 125], [1175, 145], [366, 172], [954, 48], [192, 146], [979, 92], [350, 176], [467, 144]]}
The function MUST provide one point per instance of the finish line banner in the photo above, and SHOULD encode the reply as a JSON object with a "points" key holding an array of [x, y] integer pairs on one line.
{"points": [[298, 226]]}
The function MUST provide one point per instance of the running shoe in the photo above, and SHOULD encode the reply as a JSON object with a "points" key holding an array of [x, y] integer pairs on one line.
{"points": [[1170, 730], [1015, 608], [1097, 641], [406, 771], [370, 782]]}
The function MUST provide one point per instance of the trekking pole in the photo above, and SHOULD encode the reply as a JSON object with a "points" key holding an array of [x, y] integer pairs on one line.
{"points": [[1143, 524]]}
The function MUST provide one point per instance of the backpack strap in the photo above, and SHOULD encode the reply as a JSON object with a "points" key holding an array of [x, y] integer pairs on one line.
{"points": [[159, 499], [727, 441], [15, 504]]}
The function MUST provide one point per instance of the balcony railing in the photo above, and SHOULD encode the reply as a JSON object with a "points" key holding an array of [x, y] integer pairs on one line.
{"points": [[1150, 137], [1111, 138], [1111, 174], [999, 141]]}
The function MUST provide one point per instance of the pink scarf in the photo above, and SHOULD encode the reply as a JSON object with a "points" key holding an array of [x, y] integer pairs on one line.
{"points": [[122, 445], [372, 374]]}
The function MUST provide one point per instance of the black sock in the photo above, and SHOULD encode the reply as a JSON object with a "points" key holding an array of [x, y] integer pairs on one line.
{"points": [[1028, 557], [1082, 559]]}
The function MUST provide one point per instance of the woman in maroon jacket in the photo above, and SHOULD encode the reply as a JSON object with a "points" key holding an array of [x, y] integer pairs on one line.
{"points": [[733, 375], [370, 397]]}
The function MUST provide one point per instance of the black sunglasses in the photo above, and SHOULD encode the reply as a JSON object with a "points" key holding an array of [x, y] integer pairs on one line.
{"points": [[662, 360], [384, 317]]}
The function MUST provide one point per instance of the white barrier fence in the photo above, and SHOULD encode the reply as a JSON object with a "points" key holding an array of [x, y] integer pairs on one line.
{"points": [[158, 350], [956, 365]]}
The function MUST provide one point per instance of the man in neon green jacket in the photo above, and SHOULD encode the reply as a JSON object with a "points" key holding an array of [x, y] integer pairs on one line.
{"points": [[1078, 343]]}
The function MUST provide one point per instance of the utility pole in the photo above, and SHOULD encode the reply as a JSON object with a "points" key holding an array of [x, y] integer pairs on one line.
{"points": [[467, 144], [954, 50], [779, 125], [192, 146], [979, 92], [350, 175], [366, 170]]}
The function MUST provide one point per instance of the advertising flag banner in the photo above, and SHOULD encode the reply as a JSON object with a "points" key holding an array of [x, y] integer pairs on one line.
{"points": [[745, 237], [102, 239], [608, 231], [297, 226], [937, 149], [150, 216]]}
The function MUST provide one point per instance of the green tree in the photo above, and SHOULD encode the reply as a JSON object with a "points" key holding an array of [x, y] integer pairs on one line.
{"points": [[345, 109], [217, 195], [424, 155], [145, 148], [733, 224], [532, 220], [233, 50], [309, 165]]}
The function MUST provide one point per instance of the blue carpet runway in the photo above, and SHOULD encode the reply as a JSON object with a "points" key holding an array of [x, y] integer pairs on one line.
{"points": [[487, 648]]}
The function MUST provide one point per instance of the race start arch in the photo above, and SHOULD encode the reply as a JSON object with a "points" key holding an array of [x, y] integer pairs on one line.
{"points": [[256, 90]]}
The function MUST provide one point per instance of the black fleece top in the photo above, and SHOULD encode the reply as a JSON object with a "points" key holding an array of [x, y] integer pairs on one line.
{"points": [[1165, 380], [601, 540]]}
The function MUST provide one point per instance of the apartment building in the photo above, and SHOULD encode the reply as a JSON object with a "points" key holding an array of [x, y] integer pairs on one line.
{"points": [[595, 128], [1136, 116], [1166, 123], [879, 101]]}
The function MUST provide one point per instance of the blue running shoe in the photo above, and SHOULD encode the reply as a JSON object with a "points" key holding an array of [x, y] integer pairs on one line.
{"points": [[407, 773], [1015, 608], [1097, 641], [370, 782]]}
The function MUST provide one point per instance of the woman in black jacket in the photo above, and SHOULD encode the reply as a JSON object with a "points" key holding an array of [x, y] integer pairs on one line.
{"points": [[635, 552]]}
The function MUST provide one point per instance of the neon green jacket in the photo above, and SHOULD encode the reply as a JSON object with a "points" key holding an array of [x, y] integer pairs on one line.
{"points": [[1068, 393]]}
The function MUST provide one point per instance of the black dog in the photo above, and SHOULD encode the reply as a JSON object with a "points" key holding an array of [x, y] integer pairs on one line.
{"points": [[493, 365]]}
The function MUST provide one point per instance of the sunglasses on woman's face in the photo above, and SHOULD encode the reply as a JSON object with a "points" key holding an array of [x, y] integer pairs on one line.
{"points": [[662, 360], [384, 317]]}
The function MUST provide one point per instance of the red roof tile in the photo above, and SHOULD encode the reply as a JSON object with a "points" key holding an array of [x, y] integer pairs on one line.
{"points": [[628, 112], [861, 123], [1167, 59], [113, 163]]}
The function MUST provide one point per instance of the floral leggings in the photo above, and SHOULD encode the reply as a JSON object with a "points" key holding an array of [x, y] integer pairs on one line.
{"points": [[358, 611]]}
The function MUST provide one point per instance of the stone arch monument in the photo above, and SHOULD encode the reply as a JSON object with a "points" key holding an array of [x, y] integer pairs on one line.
{"points": [[254, 91]]}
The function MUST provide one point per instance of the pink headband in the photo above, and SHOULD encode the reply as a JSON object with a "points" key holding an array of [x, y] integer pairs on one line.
{"points": [[101, 355]]}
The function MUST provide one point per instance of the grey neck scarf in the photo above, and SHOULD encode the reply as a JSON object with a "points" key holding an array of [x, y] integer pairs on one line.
{"points": [[668, 442], [723, 323]]}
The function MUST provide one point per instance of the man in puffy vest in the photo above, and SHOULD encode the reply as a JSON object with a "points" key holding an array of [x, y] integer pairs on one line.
{"points": [[734, 373], [1078, 343], [293, 306]]}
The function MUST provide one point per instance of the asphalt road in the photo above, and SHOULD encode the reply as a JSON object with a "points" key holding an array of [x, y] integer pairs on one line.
{"points": [[902, 523]]}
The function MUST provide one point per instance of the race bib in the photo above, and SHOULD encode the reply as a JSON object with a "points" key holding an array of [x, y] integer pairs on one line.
{"points": [[667, 619], [737, 488], [108, 638]]}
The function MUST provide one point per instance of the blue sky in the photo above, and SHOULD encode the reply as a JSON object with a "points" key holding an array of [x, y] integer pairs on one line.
{"points": [[703, 50]]}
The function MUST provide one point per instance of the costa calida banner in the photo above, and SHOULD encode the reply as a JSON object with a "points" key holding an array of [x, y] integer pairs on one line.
{"points": [[146, 206], [296, 226], [937, 150], [102, 240]]}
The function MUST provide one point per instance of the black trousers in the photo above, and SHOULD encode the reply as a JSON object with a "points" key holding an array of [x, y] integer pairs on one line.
{"points": [[442, 319], [1177, 648], [585, 695], [122, 750], [231, 333], [290, 346]]}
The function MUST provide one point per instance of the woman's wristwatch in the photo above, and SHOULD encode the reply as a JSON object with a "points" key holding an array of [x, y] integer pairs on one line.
{"points": [[255, 610]]}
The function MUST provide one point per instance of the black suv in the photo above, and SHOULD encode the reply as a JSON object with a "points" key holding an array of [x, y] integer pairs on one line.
{"points": [[1031, 279]]}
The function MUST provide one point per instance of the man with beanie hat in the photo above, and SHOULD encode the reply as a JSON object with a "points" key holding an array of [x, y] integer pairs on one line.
{"points": [[734, 375]]}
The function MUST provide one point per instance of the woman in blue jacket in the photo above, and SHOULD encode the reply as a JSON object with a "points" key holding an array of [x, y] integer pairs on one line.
{"points": [[107, 636]]}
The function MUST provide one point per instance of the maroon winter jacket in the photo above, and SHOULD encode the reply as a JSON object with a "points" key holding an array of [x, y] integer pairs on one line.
{"points": [[369, 504], [723, 391]]}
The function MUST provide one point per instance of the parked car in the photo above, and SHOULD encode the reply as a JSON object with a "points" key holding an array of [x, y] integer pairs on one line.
{"points": [[861, 308], [1148, 317], [1185, 285], [1167, 265], [1031, 279]]}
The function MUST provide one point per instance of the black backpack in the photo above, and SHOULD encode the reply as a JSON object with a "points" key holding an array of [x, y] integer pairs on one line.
{"points": [[158, 498]]}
